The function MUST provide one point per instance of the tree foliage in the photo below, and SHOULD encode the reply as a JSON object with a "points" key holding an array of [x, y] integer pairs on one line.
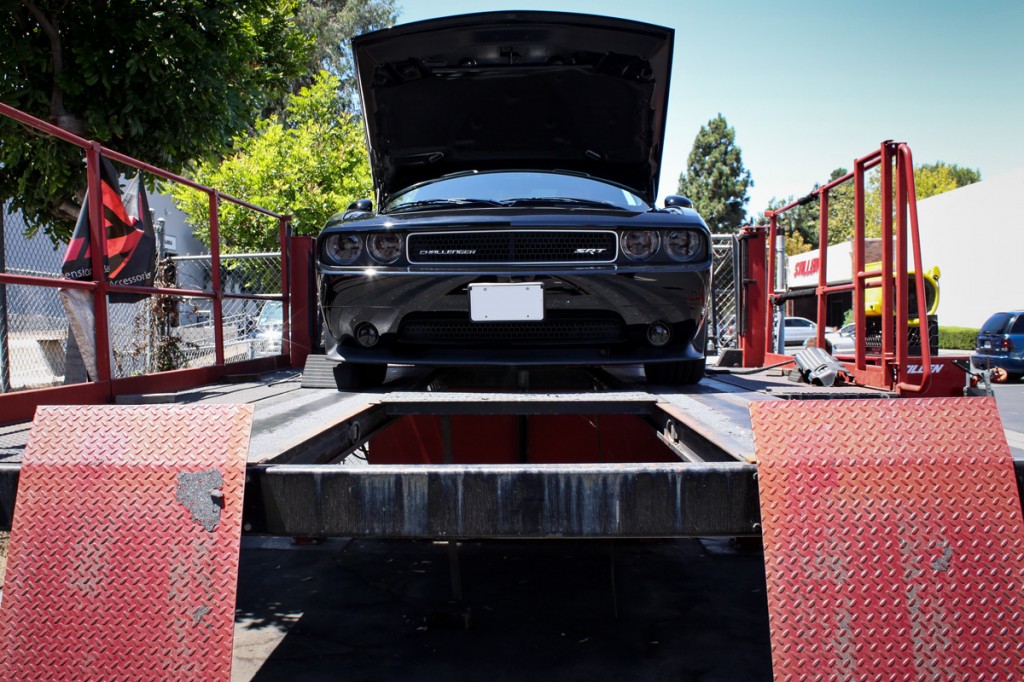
{"points": [[801, 224], [165, 81], [929, 180], [310, 161], [715, 178], [939, 177], [333, 23]]}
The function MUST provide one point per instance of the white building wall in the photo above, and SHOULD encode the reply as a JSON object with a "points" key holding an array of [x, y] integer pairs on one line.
{"points": [[975, 235]]}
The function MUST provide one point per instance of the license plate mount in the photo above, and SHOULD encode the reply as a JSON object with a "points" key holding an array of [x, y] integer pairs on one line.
{"points": [[506, 302]]}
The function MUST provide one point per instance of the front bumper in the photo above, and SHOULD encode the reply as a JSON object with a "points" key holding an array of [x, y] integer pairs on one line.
{"points": [[590, 318]]}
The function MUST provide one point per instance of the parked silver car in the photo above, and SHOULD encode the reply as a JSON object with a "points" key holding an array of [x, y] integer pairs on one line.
{"points": [[799, 330]]}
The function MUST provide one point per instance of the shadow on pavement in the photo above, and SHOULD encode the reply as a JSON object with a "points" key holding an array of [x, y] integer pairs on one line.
{"points": [[540, 610]]}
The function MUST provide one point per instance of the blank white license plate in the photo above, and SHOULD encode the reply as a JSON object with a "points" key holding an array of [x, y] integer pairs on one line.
{"points": [[519, 301]]}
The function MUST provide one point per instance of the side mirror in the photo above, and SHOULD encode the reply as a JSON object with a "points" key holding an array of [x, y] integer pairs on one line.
{"points": [[361, 205], [676, 200]]}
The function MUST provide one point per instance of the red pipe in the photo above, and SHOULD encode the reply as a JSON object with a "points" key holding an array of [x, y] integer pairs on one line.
{"points": [[859, 318], [286, 267], [218, 294], [885, 187], [769, 289], [98, 246], [53, 282], [909, 202], [822, 268]]}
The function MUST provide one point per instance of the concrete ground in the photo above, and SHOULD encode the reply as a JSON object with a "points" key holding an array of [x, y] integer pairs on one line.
{"points": [[542, 610]]}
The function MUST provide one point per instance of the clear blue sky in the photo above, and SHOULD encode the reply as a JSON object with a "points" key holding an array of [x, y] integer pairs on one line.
{"points": [[809, 86]]}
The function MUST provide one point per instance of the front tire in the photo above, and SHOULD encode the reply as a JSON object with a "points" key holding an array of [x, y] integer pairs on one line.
{"points": [[353, 377], [680, 373]]}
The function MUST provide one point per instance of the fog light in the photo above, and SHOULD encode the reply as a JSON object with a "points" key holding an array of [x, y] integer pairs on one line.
{"points": [[367, 335], [658, 334]]}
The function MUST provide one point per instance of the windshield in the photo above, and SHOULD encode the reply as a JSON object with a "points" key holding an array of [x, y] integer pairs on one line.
{"points": [[271, 314], [517, 187]]}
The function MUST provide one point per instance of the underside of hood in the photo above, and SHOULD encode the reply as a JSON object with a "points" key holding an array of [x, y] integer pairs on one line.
{"points": [[515, 90]]}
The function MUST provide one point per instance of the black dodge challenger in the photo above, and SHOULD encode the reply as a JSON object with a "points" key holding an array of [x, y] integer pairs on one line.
{"points": [[515, 160]]}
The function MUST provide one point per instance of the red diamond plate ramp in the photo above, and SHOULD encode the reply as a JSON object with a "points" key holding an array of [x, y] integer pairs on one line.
{"points": [[124, 547], [892, 538]]}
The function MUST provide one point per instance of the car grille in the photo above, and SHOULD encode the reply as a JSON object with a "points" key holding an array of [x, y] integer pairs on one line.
{"points": [[513, 246], [448, 331]]}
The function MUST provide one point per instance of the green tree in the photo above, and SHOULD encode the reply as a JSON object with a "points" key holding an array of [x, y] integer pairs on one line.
{"points": [[715, 179], [929, 180], [333, 23], [840, 209], [799, 224], [310, 161], [165, 81], [939, 177]]}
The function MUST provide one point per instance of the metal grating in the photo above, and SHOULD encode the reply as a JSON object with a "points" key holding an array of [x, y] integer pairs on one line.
{"points": [[894, 546], [513, 246], [124, 548]]}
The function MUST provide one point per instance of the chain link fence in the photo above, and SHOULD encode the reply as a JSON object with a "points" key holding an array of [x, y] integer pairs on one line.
{"points": [[723, 293], [156, 333], [33, 324]]}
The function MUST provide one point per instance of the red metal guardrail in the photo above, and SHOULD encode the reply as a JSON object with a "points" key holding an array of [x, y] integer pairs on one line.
{"points": [[294, 283], [889, 368]]}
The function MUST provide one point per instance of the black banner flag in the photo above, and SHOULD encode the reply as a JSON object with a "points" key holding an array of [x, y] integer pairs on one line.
{"points": [[130, 257]]}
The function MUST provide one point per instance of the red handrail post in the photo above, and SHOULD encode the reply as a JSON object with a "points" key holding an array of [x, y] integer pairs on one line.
{"points": [[906, 201], [769, 285], [902, 318], [98, 250], [303, 300], [287, 258], [218, 292], [889, 345], [753, 296], [822, 293], [860, 319]]}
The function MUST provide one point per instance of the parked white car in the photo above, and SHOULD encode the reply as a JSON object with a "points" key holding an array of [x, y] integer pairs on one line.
{"points": [[843, 340]]}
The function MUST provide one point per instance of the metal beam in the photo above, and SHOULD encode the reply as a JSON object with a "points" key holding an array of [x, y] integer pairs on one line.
{"points": [[711, 499], [517, 501]]}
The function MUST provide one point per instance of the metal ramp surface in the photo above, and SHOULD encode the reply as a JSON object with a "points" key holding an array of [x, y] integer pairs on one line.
{"points": [[123, 557], [893, 540]]}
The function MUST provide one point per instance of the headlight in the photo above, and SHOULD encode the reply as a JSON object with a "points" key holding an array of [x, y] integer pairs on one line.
{"points": [[639, 244], [343, 249], [684, 245], [385, 247]]}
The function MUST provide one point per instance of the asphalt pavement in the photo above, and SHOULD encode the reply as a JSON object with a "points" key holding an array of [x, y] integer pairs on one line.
{"points": [[1010, 399]]}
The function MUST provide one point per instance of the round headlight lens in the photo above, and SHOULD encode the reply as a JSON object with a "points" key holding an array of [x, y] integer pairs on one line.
{"points": [[639, 244], [684, 244], [385, 247], [343, 249]]}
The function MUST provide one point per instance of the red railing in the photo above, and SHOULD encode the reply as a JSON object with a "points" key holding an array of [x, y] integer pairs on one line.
{"points": [[20, 405], [889, 367]]}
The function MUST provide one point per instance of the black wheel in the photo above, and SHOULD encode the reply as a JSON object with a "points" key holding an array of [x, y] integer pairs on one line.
{"points": [[682, 373], [349, 376]]}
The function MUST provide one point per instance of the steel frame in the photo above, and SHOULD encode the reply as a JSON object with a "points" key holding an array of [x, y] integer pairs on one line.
{"points": [[21, 405], [657, 500], [891, 368]]}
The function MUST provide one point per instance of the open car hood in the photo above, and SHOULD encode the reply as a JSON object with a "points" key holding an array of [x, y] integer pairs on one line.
{"points": [[515, 90]]}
